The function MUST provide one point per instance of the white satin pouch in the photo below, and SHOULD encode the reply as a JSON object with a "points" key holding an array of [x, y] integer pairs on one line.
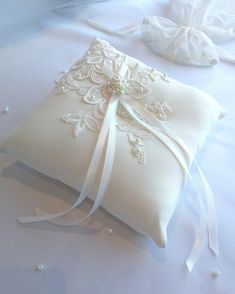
{"points": [[125, 135]]}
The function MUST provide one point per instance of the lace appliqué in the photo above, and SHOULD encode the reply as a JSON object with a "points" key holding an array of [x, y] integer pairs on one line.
{"points": [[95, 88], [161, 110]]}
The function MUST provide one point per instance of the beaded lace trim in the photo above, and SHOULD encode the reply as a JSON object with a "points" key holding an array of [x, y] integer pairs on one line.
{"points": [[95, 88]]}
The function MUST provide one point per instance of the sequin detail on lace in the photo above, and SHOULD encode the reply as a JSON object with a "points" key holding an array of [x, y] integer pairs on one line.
{"points": [[95, 89]]}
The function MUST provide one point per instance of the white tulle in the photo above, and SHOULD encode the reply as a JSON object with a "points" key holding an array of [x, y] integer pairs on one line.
{"points": [[190, 36]]}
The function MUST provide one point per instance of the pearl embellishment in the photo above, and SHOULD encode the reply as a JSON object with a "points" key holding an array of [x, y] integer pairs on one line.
{"points": [[116, 86]]}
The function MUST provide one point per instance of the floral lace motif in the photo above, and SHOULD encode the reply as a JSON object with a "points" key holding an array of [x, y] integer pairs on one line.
{"points": [[95, 88]]}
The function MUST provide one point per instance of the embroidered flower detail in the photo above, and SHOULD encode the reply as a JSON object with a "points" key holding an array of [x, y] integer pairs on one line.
{"points": [[137, 147], [82, 121], [95, 88], [160, 110]]}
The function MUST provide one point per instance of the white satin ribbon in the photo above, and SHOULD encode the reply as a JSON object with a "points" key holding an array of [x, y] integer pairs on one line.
{"points": [[124, 31], [108, 130], [164, 135], [106, 142]]}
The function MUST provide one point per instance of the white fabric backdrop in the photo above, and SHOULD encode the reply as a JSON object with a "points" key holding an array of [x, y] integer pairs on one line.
{"points": [[89, 260]]}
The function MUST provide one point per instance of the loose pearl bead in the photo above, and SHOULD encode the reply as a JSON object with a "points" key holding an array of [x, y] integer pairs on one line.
{"points": [[216, 273], [141, 89], [40, 267], [110, 231], [146, 20], [5, 109]]}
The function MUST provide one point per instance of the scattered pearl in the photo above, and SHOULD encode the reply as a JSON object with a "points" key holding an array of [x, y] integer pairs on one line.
{"points": [[5, 109], [146, 20], [216, 273], [40, 267], [110, 231], [164, 76], [141, 89]]}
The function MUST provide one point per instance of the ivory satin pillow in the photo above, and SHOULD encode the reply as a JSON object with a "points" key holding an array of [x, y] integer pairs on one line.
{"points": [[59, 137]]}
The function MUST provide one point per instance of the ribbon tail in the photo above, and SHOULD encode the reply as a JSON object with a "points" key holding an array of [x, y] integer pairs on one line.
{"points": [[224, 55], [92, 170], [124, 31], [212, 224], [105, 178], [196, 249], [185, 163]]}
